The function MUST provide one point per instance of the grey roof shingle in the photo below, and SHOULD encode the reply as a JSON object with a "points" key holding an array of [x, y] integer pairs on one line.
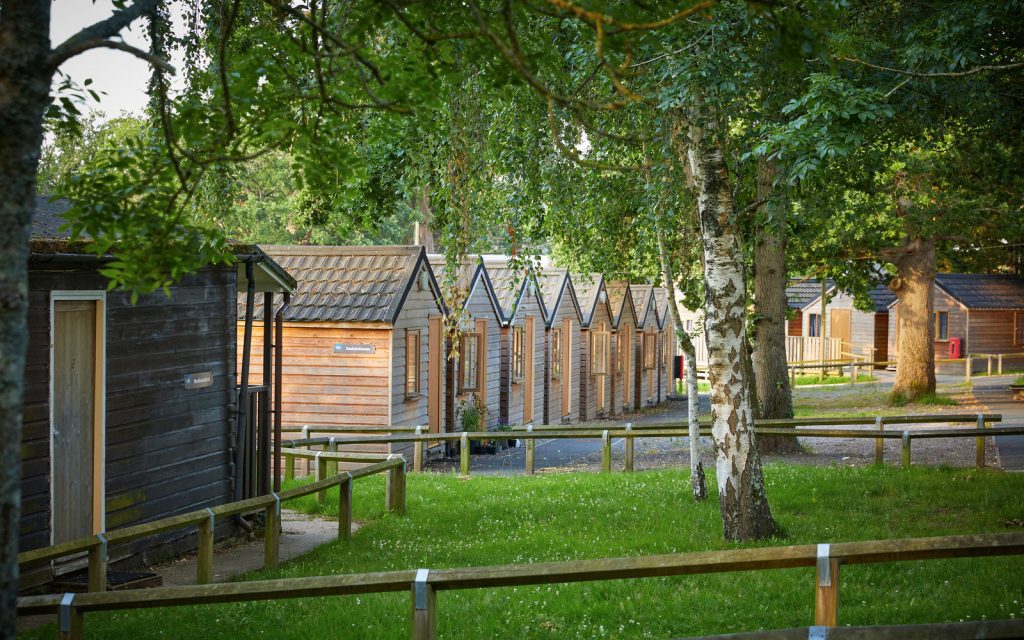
{"points": [[587, 288], [801, 293], [661, 305], [641, 295], [509, 282], [618, 297], [347, 284], [557, 288], [49, 218], [983, 291], [882, 297]]}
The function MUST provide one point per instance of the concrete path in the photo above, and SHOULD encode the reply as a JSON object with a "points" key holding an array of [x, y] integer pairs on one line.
{"points": [[993, 392]]}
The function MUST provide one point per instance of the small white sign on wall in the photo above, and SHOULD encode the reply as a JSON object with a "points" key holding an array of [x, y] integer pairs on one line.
{"points": [[342, 347], [199, 380]]}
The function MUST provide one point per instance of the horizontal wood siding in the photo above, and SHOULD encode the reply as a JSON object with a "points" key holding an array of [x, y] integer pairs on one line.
{"points": [[167, 447], [555, 389], [992, 331], [320, 387]]}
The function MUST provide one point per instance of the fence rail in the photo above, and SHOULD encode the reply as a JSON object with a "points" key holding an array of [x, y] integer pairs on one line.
{"points": [[423, 584], [97, 546], [629, 433]]}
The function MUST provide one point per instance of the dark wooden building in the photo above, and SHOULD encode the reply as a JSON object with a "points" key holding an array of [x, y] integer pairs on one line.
{"points": [[595, 346], [623, 349], [562, 347], [130, 408]]}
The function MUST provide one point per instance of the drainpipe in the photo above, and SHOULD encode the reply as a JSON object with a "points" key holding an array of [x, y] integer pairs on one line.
{"points": [[278, 367]]}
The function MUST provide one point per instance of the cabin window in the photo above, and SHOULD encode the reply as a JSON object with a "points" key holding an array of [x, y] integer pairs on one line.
{"points": [[469, 379], [599, 352], [814, 325], [556, 354], [941, 325], [518, 354], [649, 350], [412, 363]]}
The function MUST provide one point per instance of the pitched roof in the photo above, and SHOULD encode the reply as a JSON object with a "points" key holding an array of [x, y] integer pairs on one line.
{"points": [[509, 284], [643, 302], [983, 291], [619, 298], [588, 291], [556, 289], [471, 273], [882, 296], [801, 293], [350, 284], [661, 305]]}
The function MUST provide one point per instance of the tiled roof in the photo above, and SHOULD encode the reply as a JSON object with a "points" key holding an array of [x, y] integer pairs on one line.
{"points": [[557, 288], [801, 293], [49, 218], [618, 296], [661, 305], [509, 283], [641, 296], [983, 291], [587, 286], [882, 297], [347, 284]]}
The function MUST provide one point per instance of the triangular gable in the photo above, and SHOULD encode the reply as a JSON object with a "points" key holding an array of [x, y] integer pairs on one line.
{"points": [[557, 289], [642, 296], [510, 288], [621, 303]]}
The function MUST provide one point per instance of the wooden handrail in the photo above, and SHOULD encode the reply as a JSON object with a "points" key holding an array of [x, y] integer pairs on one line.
{"points": [[423, 584]]}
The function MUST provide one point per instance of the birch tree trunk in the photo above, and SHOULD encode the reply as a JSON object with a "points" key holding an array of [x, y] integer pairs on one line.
{"points": [[771, 375], [914, 287], [697, 481], [24, 95], [746, 514]]}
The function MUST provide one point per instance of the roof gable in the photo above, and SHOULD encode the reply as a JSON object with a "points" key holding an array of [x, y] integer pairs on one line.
{"points": [[801, 293], [643, 301], [352, 284], [588, 291], [621, 302], [556, 289], [983, 291], [511, 285], [661, 306], [472, 275]]}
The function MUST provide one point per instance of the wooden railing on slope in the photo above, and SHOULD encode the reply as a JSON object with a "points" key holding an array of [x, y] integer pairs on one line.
{"points": [[423, 584], [97, 546]]}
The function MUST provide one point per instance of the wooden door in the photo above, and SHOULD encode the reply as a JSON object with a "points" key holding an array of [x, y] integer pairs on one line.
{"points": [[528, 373], [435, 360], [76, 420], [627, 364], [567, 380], [841, 329]]}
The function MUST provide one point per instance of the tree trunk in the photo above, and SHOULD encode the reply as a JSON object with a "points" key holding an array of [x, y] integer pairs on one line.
{"points": [[697, 480], [24, 95], [771, 375], [913, 286], [746, 514]]}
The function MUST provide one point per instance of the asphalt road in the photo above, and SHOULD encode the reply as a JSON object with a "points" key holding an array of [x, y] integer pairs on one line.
{"points": [[993, 393]]}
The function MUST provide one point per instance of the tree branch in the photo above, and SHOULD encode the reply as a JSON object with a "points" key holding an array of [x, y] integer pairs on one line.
{"points": [[938, 74], [97, 36]]}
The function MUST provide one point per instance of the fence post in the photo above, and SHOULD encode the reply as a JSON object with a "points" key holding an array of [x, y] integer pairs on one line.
{"points": [[424, 607], [905, 454], [418, 450], [629, 446], [345, 508], [332, 465], [531, 451], [98, 565], [792, 377], [272, 533], [289, 466], [396, 488], [204, 562], [69, 619], [879, 442], [305, 436], [967, 367], [321, 473], [990, 364], [826, 596], [606, 452], [853, 373], [979, 444], [1000, 356], [464, 454]]}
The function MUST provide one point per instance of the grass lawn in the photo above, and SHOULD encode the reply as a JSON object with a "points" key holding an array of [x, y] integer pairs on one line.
{"points": [[492, 520], [868, 401]]}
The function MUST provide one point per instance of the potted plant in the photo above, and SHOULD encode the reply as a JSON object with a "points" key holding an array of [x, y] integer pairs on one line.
{"points": [[472, 418]]}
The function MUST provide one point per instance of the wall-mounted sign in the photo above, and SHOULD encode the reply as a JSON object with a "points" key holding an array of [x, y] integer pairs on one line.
{"points": [[341, 347], [199, 380]]}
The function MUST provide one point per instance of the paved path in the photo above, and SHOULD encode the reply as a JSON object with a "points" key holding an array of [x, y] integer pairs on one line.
{"points": [[994, 394]]}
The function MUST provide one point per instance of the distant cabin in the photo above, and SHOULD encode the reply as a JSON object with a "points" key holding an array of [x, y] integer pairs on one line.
{"points": [[363, 339], [522, 341], [129, 407], [624, 322], [646, 350], [864, 334], [799, 295], [595, 346], [666, 346], [985, 312], [562, 347], [474, 376]]}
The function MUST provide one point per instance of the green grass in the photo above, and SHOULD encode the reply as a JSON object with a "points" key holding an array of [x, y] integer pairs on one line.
{"points": [[812, 378], [1019, 380], [493, 520]]}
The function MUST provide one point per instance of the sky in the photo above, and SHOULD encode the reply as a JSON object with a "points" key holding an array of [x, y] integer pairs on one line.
{"points": [[120, 75]]}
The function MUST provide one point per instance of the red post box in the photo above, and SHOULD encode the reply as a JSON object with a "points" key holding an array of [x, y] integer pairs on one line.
{"points": [[954, 348]]}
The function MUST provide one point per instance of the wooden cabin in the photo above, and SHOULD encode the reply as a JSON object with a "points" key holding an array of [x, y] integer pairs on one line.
{"points": [[562, 347], [363, 339], [595, 346], [473, 377], [623, 348], [522, 341], [646, 346], [666, 346], [863, 333], [799, 296], [985, 312], [129, 406]]}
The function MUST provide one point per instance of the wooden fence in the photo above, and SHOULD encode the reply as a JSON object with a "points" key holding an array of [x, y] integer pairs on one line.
{"points": [[629, 433], [97, 546], [423, 584]]}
